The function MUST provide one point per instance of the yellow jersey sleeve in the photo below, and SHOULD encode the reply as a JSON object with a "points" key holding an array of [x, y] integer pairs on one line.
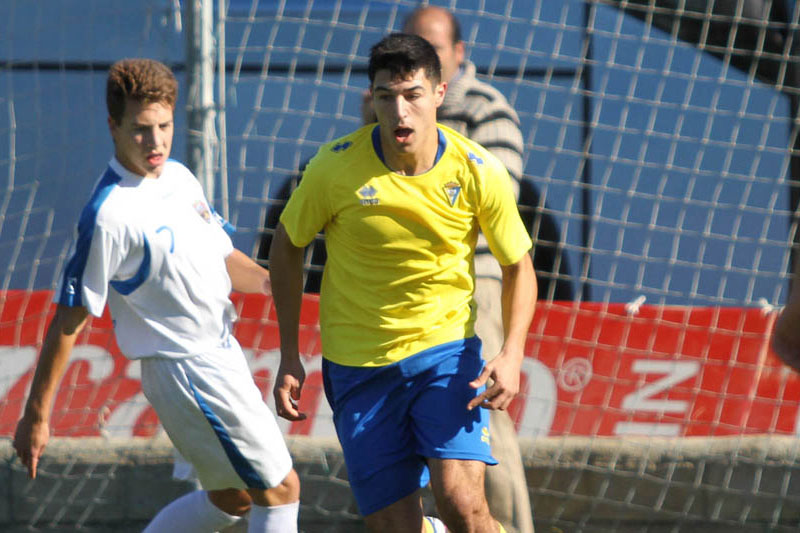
{"points": [[308, 209], [498, 214]]}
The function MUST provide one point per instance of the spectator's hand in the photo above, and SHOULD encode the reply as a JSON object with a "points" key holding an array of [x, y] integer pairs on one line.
{"points": [[503, 370], [30, 440], [367, 111], [288, 385]]}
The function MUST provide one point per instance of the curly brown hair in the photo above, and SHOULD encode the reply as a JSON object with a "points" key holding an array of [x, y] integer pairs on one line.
{"points": [[143, 80]]}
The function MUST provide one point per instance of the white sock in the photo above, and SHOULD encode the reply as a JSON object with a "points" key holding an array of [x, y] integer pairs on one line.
{"points": [[277, 519], [191, 512]]}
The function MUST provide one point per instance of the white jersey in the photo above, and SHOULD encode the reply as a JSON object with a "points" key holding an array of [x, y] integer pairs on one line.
{"points": [[155, 250]]}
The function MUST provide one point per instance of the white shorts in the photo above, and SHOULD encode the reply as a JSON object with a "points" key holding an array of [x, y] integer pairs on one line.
{"points": [[216, 418]]}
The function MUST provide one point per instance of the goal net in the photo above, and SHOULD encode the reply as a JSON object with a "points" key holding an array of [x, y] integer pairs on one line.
{"points": [[658, 183]]}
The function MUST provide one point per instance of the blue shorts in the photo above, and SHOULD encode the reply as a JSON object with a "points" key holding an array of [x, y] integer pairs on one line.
{"points": [[390, 419]]}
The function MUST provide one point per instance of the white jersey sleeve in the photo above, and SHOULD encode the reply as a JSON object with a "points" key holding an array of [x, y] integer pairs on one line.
{"points": [[96, 255]]}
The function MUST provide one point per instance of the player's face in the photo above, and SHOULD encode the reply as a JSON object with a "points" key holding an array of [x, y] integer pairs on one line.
{"points": [[406, 109], [143, 138]]}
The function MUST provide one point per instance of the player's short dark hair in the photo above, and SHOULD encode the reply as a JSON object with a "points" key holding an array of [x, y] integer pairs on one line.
{"points": [[143, 80], [403, 54], [455, 27]]}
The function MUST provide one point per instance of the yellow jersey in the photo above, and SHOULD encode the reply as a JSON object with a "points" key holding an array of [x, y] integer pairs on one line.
{"points": [[399, 274]]}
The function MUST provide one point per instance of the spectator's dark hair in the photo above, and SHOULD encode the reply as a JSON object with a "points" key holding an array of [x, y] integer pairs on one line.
{"points": [[455, 27], [143, 80], [403, 54]]}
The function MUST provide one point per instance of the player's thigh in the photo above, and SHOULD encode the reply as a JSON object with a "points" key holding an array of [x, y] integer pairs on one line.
{"points": [[443, 427], [217, 419], [374, 431], [371, 424]]}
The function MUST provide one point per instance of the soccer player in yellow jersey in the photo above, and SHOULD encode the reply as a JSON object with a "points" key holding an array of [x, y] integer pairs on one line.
{"points": [[401, 204]]}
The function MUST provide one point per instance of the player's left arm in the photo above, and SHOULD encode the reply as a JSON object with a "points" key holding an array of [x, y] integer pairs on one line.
{"points": [[510, 243], [247, 276], [518, 302]]}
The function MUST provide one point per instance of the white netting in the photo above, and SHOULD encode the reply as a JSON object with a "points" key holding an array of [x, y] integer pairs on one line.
{"points": [[657, 174], [664, 168]]}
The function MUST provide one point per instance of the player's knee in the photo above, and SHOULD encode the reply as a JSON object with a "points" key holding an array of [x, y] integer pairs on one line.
{"points": [[235, 502], [287, 491], [290, 487], [462, 509]]}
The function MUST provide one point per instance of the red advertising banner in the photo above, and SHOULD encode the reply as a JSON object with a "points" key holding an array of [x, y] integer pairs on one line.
{"points": [[590, 369]]}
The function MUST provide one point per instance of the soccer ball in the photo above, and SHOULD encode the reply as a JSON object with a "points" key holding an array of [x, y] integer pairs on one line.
{"points": [[434, 525]]}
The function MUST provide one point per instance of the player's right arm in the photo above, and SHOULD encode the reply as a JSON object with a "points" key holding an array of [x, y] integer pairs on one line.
{"points": [[33, 429], [286, 272]]}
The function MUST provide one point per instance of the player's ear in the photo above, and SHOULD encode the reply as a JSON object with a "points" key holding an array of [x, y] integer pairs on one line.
{"points": [[439, 91]]}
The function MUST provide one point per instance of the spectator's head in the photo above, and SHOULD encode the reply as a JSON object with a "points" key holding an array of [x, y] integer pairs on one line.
{"points": [[439, 27], [140, 96]]}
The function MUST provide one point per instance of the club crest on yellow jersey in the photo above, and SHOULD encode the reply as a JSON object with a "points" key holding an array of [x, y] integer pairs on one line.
{"points": [[452, 190]]}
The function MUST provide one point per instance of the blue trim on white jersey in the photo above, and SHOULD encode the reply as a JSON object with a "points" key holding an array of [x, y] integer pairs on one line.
{"points": [[229, 228], [376, 145], [72, 285], [125, 287], [171, 237], [242, 466]]}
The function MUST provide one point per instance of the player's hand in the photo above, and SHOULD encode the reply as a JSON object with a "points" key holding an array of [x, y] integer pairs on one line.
{"points": [[288, 385], [367, 111], [504, 372], [30, 440]]}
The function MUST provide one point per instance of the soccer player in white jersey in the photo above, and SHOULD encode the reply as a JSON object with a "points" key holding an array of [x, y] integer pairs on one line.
{"points": [[401, 203], [149, 244]]}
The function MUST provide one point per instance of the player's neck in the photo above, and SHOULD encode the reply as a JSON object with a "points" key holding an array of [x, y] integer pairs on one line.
{"points": [[415, 162]]}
